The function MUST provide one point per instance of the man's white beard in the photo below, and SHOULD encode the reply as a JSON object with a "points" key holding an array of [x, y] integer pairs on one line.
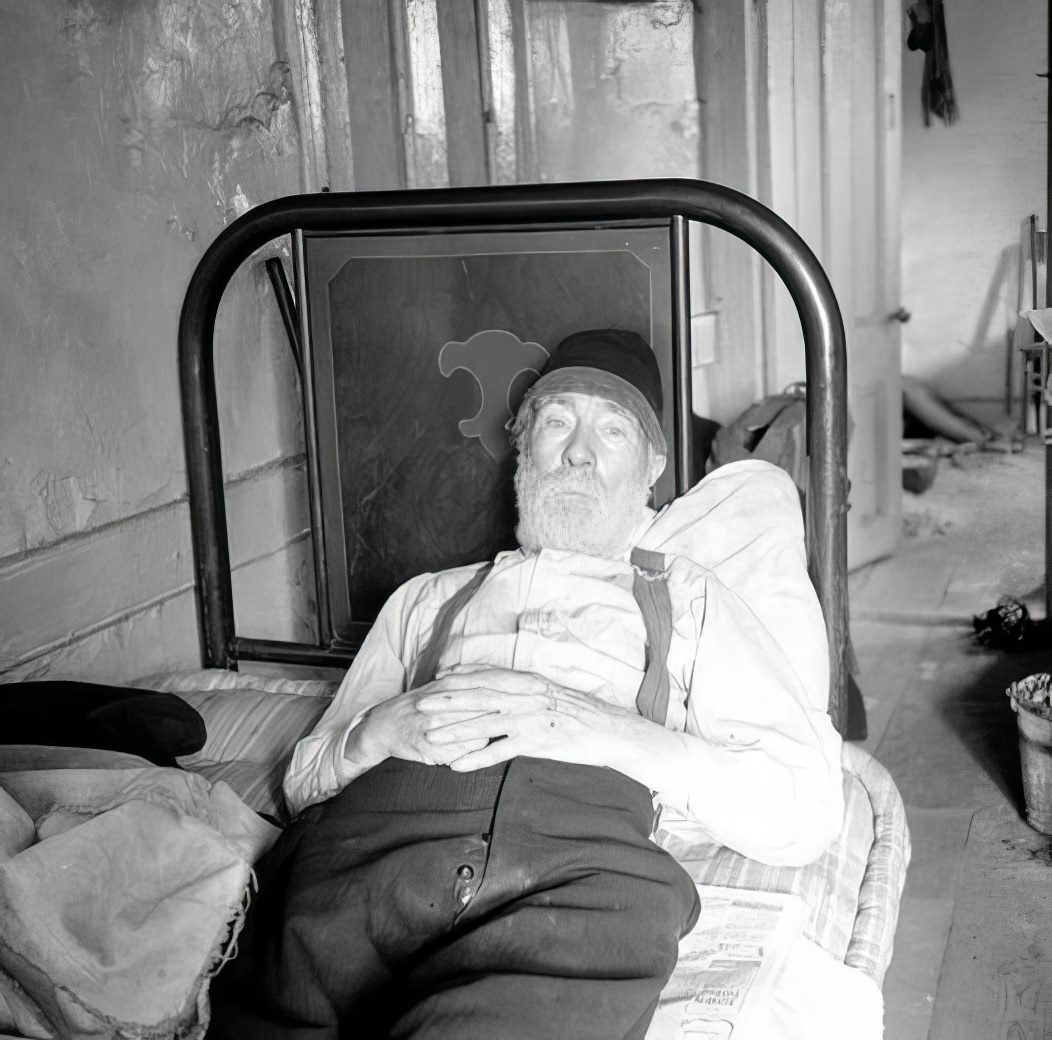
{"points": [[594, 522]]}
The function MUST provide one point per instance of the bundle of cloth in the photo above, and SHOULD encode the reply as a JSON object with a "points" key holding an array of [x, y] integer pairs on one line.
{"points": [[123, 883]]}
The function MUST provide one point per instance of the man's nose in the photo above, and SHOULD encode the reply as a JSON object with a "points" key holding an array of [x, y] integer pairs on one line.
{"points": [[579, 450]]}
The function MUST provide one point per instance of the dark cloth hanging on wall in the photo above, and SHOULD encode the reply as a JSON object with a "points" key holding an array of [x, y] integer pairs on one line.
{"points": [[928, 34]]}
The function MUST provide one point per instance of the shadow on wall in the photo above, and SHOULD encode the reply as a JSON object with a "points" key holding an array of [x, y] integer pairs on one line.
{"points": [[980, 373]]}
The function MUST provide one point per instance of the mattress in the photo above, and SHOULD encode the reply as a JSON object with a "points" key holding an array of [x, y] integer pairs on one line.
{"points": [[851, 892], [828, 982]]}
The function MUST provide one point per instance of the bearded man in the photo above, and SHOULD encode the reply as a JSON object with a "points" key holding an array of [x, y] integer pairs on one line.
{"points": [[473, 854]]}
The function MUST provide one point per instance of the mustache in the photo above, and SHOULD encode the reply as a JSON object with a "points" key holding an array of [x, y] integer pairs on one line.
{"points": [[568, 478]]}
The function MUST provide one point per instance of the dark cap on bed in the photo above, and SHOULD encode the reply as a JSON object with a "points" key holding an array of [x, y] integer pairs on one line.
{"points": [[613, 363]]}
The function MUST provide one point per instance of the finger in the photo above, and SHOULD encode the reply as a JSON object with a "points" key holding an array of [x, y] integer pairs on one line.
{"points": [[499, 680], [446, 755], [477, 701], [439, 756], [469, 669], [435, 719], [486, 700], [534, 731], [481, 727], [459, 700], [490, 755]]}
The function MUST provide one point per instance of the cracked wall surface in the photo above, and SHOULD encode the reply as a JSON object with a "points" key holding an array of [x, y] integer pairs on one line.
{"points": [[134, 131], [614, 90]]}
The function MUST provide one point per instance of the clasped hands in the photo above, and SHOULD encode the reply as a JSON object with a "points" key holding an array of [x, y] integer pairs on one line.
{"points": [[475, 717]]}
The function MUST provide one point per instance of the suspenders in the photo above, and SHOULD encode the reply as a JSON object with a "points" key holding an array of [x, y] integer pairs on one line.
{"points": [[426, 666], [650, 589]]}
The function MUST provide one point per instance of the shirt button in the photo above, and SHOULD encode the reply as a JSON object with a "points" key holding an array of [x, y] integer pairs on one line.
{"points": [[529, 621], [465, 872]]}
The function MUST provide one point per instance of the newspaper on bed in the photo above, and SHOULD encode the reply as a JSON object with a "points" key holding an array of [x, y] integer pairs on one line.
{"points": [[728, 963]]}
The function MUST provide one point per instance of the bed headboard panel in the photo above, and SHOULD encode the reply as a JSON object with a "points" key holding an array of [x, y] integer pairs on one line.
{"points": [[423, 317], [422, 346]]}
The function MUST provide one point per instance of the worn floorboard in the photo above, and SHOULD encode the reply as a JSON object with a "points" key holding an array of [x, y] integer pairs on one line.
{"points": [[974, 943], [996, 979]]}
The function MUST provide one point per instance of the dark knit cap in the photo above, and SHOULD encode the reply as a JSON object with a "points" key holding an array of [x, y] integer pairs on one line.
{"points": [[612, 363]]}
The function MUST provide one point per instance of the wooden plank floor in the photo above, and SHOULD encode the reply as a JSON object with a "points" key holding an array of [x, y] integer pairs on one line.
{"points": [[974, 943]]}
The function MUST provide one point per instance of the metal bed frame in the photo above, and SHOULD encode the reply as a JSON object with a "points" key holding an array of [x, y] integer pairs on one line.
{"points": [[594, 204]]}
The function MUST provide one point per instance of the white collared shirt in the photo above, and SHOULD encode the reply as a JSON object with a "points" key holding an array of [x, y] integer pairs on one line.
{"points": [[748, 668]]}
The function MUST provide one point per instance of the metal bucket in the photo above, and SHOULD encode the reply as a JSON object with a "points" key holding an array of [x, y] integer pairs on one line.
{"points": [[1031, 700]]}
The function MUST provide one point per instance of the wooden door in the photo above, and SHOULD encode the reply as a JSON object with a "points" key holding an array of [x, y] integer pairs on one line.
{"points": [[832, 139], [865, 233]]}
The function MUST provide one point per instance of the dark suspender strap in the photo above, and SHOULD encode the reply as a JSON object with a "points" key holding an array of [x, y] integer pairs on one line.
{"points": [[427, 662], [650, 588]]}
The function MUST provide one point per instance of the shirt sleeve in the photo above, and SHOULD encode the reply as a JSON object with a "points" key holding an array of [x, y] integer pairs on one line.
{"points": [[318, 767], [744, 524], [761, 770]]}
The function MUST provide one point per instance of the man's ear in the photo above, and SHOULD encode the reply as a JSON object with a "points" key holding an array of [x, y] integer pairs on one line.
{"points": [[657, 467]]}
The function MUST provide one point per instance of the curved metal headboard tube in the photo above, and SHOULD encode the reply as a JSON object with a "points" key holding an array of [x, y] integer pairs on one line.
{"points": [[517, 205]]}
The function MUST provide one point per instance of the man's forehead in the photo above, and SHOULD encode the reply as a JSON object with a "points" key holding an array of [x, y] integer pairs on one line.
{"points": [[572, 400]]}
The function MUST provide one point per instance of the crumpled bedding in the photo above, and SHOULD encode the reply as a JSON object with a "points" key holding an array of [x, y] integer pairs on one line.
{"points": [[122, 891]]}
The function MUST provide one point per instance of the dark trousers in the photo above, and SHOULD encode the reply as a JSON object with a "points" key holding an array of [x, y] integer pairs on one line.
{"points": [[521, 901]]}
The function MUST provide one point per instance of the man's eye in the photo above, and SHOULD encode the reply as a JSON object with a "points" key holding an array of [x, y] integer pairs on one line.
{"points": [[554, 420], [615, 432]]}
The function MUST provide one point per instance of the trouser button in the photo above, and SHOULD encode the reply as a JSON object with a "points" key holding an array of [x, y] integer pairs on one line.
{"points": [[463, 892]]}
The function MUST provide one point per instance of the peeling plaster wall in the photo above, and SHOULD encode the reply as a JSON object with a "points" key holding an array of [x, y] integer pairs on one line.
{"points": [[966, 189], [614, 90], [649, 90], [133, 132]]}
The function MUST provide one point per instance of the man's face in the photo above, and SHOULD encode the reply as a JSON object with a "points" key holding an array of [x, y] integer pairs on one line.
{"points": [[584, 476]]}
